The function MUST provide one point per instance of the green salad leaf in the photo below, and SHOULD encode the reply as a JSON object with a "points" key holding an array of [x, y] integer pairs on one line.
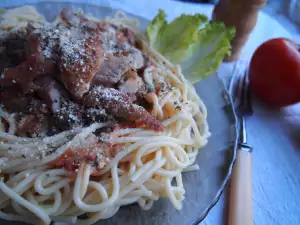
{"points": [[198, 47], [172, 40]]}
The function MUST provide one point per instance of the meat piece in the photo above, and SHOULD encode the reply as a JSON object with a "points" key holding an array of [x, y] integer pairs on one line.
{"points": [[32, 125], [104, 26], [111, 70], [69, 115], [81, 57], [12, 48], [113, 67], [130, 82], [81, 52], [135, 58], [74, 20], [120, 105], [144, 98], [91, 152], [124, 35], [25, 73], [149, 62], [78, 19], [34, 45], [36, 106], [99, 94], [92, 115], [51, 92], [34, 66], [13, 99]]}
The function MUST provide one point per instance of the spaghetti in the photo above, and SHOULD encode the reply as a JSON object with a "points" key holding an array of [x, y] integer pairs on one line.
{"points": [[37, 188]]}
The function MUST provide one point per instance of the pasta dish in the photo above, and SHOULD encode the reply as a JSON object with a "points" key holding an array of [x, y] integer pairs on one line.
{"points": [[93, 118]]}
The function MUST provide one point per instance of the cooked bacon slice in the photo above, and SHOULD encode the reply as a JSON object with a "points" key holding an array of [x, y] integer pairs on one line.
{"points": [[120, 105]]}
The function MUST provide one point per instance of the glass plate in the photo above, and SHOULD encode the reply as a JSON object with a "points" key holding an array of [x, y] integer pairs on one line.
{"points": [[203, 187]]}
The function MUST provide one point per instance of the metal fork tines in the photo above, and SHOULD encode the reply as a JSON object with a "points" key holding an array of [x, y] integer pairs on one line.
{"points": [[240, 92]]}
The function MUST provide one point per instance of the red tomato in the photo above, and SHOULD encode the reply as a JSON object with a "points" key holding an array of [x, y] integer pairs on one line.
{"points": [[275, 72]]}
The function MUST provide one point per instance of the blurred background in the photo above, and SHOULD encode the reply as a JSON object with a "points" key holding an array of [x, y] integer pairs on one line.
{"points": [[286, 12]]}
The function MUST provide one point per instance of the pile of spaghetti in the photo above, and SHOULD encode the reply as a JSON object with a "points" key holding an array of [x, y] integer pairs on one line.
{"points": [[92, 119]]}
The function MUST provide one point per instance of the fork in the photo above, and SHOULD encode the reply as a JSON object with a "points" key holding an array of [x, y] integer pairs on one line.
{"points": [[240, 201]]}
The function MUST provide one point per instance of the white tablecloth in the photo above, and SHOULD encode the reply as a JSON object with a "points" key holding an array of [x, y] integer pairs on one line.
{"points": [[274, 134]]}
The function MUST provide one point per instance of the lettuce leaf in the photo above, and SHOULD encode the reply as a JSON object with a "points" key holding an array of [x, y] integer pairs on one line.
{"points": [[205, 56], [161, 35], [155, 28], [198, 51]]}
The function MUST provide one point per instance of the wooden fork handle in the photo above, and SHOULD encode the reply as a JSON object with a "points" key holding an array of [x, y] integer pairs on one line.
{"points": [[240, 204]]}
